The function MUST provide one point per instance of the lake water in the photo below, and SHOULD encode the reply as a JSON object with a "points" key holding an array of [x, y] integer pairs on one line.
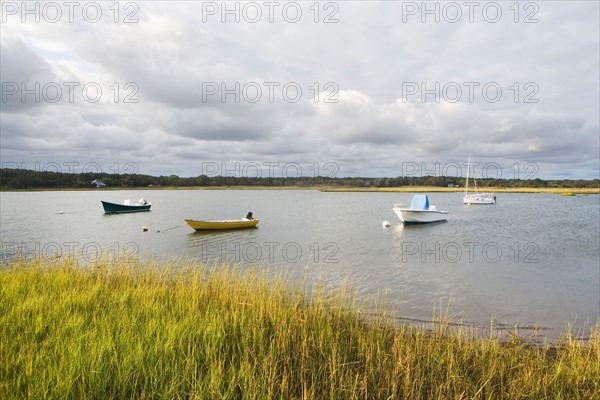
{"points": [[530, 259]]}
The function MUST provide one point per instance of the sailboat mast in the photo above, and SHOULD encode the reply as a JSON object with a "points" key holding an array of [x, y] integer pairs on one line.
{"points": [[468, 168]]}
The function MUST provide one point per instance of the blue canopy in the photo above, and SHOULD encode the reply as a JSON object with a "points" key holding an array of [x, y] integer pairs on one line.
{"points": [[420, 202]]}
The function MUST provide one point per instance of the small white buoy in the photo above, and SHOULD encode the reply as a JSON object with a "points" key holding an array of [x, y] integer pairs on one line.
{"points": [[145, 228], [386, 224], [61, 212]]}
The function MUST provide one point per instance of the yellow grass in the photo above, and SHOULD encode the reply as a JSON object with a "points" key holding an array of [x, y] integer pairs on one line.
{"points": [[119, 330], [422, 189]]}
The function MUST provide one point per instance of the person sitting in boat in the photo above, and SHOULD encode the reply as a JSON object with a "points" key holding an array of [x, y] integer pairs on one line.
{"points": [[249, 215]]}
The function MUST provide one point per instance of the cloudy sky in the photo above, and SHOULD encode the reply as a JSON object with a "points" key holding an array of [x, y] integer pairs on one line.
{"points": [[360, 88]]}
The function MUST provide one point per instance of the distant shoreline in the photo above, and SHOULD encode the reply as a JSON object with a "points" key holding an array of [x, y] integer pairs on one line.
{"points": [[118, 188], [401, 189], [420, 189]]}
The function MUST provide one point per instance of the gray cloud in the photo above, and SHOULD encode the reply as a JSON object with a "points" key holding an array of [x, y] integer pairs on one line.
{"points": [[368, 62]]}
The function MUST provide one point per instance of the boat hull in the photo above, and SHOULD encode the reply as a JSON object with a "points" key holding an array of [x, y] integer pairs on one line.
{"points": [[223, 224], [479, 199], [409, 217], [114, 208]]}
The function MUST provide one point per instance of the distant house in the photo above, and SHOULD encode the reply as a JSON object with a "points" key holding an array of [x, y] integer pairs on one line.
{"points": [[453, 185], [98, 183]]}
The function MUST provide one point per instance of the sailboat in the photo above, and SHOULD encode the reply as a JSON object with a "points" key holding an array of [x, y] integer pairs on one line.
{"points": [[476, 198]]}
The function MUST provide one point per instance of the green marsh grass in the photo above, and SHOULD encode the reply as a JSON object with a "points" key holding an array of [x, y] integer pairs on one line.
{"points": [[178, 330]]}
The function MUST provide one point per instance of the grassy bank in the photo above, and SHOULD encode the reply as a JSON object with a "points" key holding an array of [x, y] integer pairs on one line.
{"points": [[405, 189], [117, 330], [423, 189]]}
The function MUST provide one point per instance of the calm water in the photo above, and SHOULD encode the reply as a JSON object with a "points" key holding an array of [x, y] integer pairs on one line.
{"points": [[530, 259]]}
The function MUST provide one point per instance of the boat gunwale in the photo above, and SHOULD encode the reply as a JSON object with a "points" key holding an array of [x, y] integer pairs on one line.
{"points": [[116, 208], [213, 225], [421, 211], [222, 221]]}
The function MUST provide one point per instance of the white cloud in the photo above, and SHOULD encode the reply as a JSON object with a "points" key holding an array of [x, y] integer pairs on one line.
{"points": [[177, 52]]}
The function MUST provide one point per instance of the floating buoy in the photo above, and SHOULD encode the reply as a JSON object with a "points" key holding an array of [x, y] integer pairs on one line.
{"points": [[60, 212], [386, 224], [145, 228]]}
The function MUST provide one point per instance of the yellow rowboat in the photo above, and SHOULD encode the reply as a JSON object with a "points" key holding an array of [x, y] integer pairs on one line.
{"points": [[222, 224]]}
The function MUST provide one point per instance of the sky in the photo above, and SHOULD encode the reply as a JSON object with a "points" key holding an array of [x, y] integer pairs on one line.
{"points": [[283, 89]]}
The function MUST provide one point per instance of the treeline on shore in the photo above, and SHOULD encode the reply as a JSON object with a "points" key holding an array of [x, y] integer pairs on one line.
{"points": [[15, 179]]}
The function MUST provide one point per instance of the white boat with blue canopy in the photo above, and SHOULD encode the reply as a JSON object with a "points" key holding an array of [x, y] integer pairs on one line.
{"points": [[420, 211]]}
